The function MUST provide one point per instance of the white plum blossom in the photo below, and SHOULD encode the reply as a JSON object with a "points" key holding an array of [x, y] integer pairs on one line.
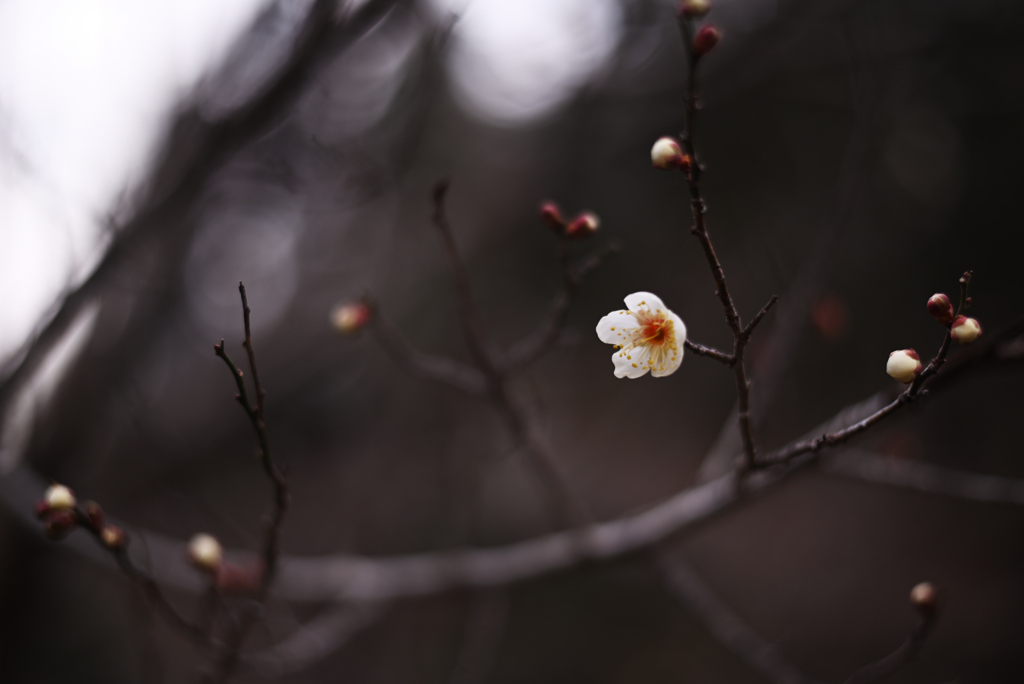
{"points": [[647, 337]]}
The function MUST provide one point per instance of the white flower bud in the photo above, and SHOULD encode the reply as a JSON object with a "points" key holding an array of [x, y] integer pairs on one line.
{"points": [[350, 318], [695, 8], [59, 498], [904, 365], [205, 552], [964, 329], [923, 596], [666, 153]]}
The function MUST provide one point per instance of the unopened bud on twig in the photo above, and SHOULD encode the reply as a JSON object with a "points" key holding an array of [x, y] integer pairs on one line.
{"points": [[551, 215], [904, 365], [941, 308], [205, 552], [668, 154], [924, 597], [582, 226], [964, 329], [113, 537], [59, 498], [350, 318], [705, 40], [694, 8]]}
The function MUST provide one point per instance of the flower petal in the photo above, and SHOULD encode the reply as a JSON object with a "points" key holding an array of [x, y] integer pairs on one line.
{"points": [[614, 328], [644, 301], [631, 363], [673, 357]]}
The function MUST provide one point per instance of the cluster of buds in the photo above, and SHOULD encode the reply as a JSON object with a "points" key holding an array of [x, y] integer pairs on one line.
{"points": [[583, 226], [350, 318], [667, 153], [961, 328], [58, 510], [707, 37]]}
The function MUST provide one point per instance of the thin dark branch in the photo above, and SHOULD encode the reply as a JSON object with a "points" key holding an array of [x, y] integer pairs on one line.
{"points": [[426, 366], [272, 537], [152, 590], [533, 347], [925, 477], [565, 505], [700, 600], [911, 393], [749, 329], [907, 651], [741, 335], [701, 350]]}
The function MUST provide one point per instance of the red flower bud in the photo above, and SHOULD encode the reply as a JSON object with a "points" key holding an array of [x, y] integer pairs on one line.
{"points": [[60, 524], [940, 308], [351, 318], [705, 40], [582, 226], [552, 216]]}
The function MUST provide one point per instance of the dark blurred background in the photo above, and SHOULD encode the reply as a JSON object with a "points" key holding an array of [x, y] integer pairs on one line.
{"points": [[859, 157]]}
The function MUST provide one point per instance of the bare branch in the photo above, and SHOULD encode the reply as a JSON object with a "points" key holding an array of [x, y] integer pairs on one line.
{"points": [[701, 350], [924, 477], [907, 651], [426, 366], [314, 641], [532, 347], [699, 599]]}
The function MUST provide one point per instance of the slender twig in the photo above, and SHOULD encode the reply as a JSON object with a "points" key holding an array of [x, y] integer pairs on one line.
{"points": [[561, 495], [419, 364], [906, 652], [533, 347], [727, 627], [152, 590], [925, 477], [741, 334], [272, 536], [701, 350], [315, 640]]}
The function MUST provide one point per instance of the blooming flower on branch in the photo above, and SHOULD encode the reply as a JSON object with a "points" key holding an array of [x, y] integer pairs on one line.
{"points": [[647, 337]]}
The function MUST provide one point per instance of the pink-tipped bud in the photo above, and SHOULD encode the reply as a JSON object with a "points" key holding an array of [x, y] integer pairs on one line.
{"points": [[551, 215], [205, 552], [940, 308], [582, 226], [924, 597], [694, 8], [59, 498], [904, 365], [113, 537], [667, 154], [705, 40], [350, 318], [964, 330]]}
